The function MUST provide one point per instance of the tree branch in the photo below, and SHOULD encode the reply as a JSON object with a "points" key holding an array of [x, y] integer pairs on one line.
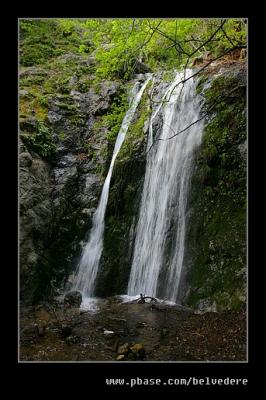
{"points": [[219, 99], [170, 38], [227, 37], [205, 66]]}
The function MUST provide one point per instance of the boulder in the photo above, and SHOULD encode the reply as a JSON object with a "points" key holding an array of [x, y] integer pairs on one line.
{"points": [[206, 305], [120, 357], [138, 350], [242, 147], [25, 159], [141, 68], [73, 299], [123, 349], [65, 330], [108, 333], [23, 93]]}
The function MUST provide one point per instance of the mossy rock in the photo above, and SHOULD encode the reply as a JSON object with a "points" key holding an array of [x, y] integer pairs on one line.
{"points": [[216, 236]]}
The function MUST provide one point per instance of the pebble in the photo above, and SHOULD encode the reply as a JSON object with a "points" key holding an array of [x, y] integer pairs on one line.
{"points": [[120, 357], [109, 333]]}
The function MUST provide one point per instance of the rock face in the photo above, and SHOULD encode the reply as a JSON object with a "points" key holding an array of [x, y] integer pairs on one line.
{"points": [[123, 205], [134, 352], [141, 68], [73, 299], [216, 236], [59, 192], [35, 218]]}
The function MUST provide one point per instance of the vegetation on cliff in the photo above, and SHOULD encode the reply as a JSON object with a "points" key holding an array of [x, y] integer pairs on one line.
{"points": [[217, 227], [74, 81]]}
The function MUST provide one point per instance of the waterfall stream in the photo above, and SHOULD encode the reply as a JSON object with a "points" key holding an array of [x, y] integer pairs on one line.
{"points": [[159, 247], [85, 278]]}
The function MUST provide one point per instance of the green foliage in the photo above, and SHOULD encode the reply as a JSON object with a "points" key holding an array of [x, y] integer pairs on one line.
{"points": [[43, 39], [228, 127], [134, 141], [62, 136], [113, 119], [40, 141], [118, 43]]}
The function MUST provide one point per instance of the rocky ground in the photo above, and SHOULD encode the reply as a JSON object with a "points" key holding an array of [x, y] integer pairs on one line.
{"points": [[130, 332]]}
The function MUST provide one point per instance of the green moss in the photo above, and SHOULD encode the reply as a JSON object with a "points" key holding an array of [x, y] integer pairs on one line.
{"points": [[84, 84], [62, 136], [113, 119], [40, 141], [202, 80], [217, 231], [124, 197], [68, 107], [135, 137], [43, 39], [168, 76]]}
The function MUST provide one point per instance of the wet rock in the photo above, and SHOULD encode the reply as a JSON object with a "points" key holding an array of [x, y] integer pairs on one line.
{"points": [[242, 147], [120, 357], [64, 175], [29, 331], [101, 108], [73, 299], [72, 339], [54, 116], [23, 92], [33, 331], [65, 331], [73, 81], [67, 161], [108, 333], [140, 77], [31, 71], [91, 60], [123, 349], [206, 305], [141, 325], [109, 89], [25, 159], [40, 330], [115, 345], [138, 350], [35, 218], [141, 68]]}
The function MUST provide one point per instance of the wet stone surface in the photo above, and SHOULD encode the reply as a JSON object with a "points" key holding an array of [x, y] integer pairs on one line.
{"points": [[140, 332]]}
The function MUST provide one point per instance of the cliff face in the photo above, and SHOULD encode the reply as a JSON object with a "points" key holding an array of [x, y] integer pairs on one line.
{"points": [[68, 125], [64, 154], [216, 240], [214, 275], [123, 204], [35, 219]]}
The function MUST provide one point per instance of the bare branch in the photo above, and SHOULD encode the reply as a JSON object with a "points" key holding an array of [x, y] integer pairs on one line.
{"points": [[171, 39], [218, 100], [205, 66], [209, 39], [227, 37]]}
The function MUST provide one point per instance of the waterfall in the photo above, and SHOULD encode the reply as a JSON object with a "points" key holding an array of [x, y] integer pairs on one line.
{"points": [[85, 277], [159, 248]]}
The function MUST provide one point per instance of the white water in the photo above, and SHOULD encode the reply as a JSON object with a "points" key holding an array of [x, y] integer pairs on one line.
{"points": [[157, 261], [85, 278]]}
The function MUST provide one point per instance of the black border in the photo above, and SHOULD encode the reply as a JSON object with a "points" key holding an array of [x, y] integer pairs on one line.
{"points": [[88, 376]]}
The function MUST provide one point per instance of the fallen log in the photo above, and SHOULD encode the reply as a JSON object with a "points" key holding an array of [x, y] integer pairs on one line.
{"points": [[142, 299]]}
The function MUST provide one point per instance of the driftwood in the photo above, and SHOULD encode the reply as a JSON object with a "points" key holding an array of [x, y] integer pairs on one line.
{"points": [[142, 298]]}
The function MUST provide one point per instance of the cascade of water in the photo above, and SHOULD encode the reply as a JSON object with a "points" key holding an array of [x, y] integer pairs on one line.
{"points": [[85, 277], [160, 233]]}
